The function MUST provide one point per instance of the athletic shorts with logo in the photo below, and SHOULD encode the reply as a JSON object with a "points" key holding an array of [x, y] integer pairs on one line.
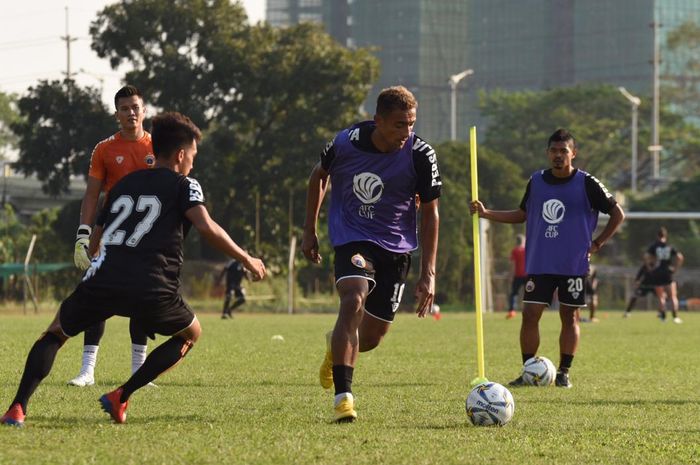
{"points": [[166, 315], [386, 272], [571, 290]]}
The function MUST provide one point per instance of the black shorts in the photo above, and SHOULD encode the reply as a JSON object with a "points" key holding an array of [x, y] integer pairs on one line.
{"points": [[386, 272], [662, 277], [643, 290], [540, 288], [85, 307]]}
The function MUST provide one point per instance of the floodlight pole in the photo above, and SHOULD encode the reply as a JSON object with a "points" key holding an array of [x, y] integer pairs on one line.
{"points": [[635, 102], [655, 148], [453, 81]]}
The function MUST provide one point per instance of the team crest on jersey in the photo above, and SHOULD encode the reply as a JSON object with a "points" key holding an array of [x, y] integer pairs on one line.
{"points": [[120, 159], [359, 261], [553, 211], [368, 187], [575, 294], [150, 159], [530, 285]]}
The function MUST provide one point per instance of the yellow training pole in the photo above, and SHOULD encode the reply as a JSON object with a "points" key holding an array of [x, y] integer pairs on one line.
{"points": [[481, 378]]}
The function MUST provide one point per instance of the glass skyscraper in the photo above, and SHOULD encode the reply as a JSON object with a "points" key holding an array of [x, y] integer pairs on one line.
{"points": [[510, 44]]}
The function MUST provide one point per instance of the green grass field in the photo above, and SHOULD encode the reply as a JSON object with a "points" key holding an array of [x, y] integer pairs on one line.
{"points": [[240, 397]]}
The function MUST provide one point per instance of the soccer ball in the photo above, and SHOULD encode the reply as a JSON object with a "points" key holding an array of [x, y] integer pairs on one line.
{"points": [[490, 404], [539, 371]]}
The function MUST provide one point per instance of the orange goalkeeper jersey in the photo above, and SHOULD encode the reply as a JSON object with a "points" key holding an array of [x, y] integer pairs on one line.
{"points": [[115, 157]]}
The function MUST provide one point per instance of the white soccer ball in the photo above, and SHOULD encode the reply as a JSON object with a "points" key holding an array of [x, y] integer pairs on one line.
{"points": [[490, 404], [539, 371]]}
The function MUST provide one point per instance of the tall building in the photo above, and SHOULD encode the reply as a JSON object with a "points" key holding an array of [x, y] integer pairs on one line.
{"points": [[288, 12], [510, 44], [419, 43], [541, 44]]}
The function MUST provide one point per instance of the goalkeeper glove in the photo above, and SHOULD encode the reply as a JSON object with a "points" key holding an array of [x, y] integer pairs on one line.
{"points": [[81, 256]]}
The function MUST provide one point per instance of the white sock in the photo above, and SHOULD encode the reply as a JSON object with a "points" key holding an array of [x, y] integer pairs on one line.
{"points": [[138, 356], [341, 396], [89, 359]]}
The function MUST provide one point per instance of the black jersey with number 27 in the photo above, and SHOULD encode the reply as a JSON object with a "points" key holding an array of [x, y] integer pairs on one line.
{"points": [[144, 227]]}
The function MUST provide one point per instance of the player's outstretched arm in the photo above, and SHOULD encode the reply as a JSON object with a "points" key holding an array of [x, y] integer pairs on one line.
{"points": [[429, 227], [316, 191], [500, 216], [219, 239]]}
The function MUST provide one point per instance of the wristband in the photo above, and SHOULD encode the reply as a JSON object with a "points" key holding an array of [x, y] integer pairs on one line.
{"points": [[83, 231], [595, 241]]}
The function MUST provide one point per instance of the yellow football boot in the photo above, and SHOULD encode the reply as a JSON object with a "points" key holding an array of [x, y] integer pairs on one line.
{"points": [[345, 409]]}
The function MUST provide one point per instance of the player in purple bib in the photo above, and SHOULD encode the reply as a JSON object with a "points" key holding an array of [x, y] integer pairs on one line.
{"points": [[561, 208], [379, 170]]}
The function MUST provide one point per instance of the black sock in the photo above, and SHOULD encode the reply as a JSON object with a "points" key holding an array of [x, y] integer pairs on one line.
{"points": [[38, 366], [137, 333], [565, 362], [162, 358], [527, 357], [93, 334], [342, 378]]}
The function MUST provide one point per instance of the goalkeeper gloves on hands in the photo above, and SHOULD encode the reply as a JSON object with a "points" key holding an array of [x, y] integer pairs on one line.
{"points": [[81, 256]]}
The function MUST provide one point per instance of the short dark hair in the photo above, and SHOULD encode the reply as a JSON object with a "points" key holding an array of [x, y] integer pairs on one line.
{"points": [[126, 91], [662, 232], [171, 132], [562, 135], [395, 98]]}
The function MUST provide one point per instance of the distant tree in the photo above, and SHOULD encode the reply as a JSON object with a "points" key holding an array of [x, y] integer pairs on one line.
{"points": [[8, 116], [521, 122], [60, 125], [501, 185], [187, 55], [268, 98], [681, 68]]}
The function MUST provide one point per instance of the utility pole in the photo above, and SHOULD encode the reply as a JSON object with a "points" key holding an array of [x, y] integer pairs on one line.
{"points": [[68, 39], [655, 148]]}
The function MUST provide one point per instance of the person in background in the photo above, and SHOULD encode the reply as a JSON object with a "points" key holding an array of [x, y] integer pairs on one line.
{"points": [[560, 208], [644, 285], [664, 260], [517, 258], [122, 153], [234, 273], [592, 295]]}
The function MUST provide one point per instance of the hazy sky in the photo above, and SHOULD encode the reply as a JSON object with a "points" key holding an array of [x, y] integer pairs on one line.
{"points": [[31, 47]]}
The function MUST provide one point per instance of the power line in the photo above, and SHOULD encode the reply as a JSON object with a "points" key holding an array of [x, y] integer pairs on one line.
{"points": [[22, 43]]}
